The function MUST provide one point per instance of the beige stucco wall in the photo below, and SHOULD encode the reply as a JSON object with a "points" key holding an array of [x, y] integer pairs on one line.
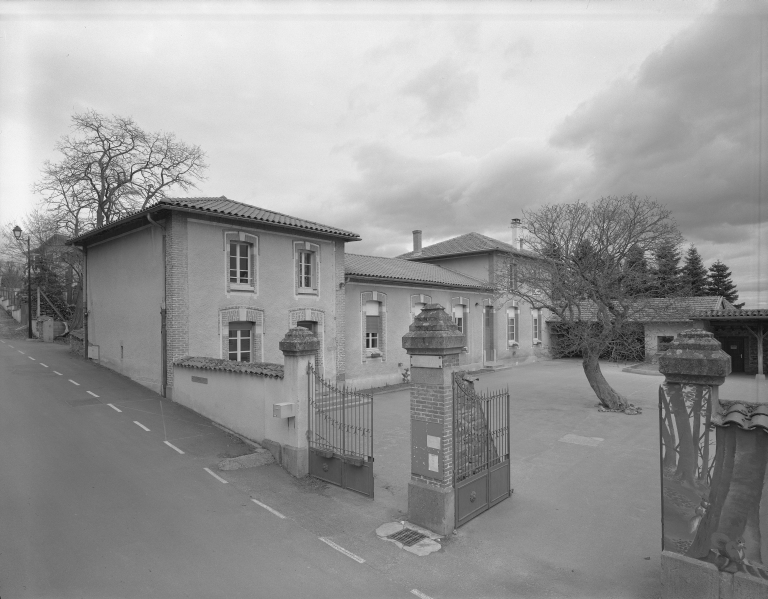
{"points": [[240, 402], [125, 292], [275, 294], [366, 372], [653, 330]]}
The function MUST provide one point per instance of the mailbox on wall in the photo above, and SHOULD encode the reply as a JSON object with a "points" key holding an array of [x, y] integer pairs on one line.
{"points": [[426, 448]]}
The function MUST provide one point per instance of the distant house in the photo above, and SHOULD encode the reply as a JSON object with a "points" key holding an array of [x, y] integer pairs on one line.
{"points": [[384, 295], [512, 330], [739, 331]]}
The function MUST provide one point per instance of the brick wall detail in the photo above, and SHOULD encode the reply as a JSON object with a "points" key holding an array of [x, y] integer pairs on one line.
{"points": [[177, 292]]}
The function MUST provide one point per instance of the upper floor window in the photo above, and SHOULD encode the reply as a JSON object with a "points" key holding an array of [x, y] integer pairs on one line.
{"points": [[242, 251], [373, 330], [239, 262], [306, 264], [458, 317]]}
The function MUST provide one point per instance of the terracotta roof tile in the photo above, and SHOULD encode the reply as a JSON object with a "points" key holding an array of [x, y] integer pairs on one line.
{"points": [[257, 368], [469, 243], [226, 207], [746, 416], [397, 269]]}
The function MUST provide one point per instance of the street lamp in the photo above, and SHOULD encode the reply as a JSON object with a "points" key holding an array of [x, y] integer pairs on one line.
{"points": [[17, 235]]}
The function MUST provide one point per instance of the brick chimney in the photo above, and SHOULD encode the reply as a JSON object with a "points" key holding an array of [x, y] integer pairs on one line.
{"points": [[417, 241], [517, 240]]}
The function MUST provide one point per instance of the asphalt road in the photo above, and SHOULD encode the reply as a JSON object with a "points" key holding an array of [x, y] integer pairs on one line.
{"points": [[93, 505]]}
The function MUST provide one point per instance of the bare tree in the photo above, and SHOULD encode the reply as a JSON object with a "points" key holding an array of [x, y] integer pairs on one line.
{"points": [[585, 269], [111, 167]]}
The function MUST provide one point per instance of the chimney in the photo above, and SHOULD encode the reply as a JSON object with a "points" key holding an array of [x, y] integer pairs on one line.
{"points": [[417, 241], [517, 240]]}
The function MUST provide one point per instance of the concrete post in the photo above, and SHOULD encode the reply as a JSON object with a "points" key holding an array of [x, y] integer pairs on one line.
{"points": [[299, 347], [434, 343]]}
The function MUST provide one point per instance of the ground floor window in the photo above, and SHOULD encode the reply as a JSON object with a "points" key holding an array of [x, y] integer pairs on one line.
{"points": [[240, 341], [511, 326]]}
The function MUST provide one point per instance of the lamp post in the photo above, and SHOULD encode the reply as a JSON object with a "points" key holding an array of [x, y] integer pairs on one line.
{"points": [[17, 235]]}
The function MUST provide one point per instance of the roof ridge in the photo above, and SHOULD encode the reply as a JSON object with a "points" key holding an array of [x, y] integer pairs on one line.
{"points": [[261, 208]]}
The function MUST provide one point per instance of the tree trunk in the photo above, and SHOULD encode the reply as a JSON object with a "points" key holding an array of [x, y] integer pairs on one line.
{"points": [[605, 393], [686, 464]]}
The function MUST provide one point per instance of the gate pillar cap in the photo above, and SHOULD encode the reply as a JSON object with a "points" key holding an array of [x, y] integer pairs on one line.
{"points": [[695, 357], [299, 341], [433, 333]]}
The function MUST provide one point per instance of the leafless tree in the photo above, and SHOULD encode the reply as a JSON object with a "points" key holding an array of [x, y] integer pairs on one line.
{"points": [[586, 271], [111, 167]]}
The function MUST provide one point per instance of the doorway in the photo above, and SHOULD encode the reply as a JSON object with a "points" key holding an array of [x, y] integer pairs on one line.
{"points": [[489, 354], [734, 347]]}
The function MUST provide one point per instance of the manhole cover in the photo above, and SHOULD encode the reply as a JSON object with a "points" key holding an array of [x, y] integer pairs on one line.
{"points": [[407, 537]]}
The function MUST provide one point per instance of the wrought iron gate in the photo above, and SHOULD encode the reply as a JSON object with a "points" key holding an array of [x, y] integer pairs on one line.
{"points": [[340, 434], [480, 449]]}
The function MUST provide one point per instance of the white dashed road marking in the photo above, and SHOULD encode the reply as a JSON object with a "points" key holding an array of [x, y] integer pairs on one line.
{"points": [[214, 475], [419, 594], [115, 408], [18, 350], [91, 393], [43, 365], [58, 373], [74, 383], [9, 345], [341, 549], [172, 446], [30, 357], [266, 507], [139, 424]]}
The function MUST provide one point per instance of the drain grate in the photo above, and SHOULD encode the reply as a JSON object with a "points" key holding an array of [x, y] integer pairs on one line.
{"points": [[407, 537]]}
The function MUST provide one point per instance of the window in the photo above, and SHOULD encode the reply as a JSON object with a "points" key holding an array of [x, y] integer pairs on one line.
{"points": [[241, 255], [306, 257], [536, 326], [372, 327], [511, 326], [458, 317], [239, 262], [513, 275], [240, 338]]}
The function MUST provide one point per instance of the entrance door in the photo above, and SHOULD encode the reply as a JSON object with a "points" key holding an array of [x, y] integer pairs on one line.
{"points": [[734, 347], [489, 354]]}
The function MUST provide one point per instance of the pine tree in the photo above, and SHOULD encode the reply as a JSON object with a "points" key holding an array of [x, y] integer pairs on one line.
{"points": [[720, 283], [693, 274], [666, 274], [45, 277], [637, 273]]}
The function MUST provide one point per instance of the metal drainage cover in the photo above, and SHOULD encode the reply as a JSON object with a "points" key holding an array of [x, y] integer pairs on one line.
{"points": [[407, 537]]}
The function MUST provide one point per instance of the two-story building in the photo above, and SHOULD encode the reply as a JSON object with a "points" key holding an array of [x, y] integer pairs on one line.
{"points": [[210, 277]]}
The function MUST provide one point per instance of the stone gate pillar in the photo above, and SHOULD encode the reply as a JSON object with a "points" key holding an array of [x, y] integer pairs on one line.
{"points": [[299, 347], [714, 455], [433, 344]]}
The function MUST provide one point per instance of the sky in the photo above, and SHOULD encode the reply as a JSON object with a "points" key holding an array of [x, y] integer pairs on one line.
{"points": [[448, 117]]}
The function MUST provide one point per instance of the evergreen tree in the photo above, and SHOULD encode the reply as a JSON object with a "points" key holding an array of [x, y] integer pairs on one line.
{"points": [[637, 277], [666, 274], [720, 283], [693, 274]]}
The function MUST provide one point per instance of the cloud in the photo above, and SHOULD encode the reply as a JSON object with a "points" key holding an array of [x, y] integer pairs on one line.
{"points": [[447, 90], [443, 195]]}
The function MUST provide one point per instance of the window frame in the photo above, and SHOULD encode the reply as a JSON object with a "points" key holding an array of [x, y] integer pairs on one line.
{"points": [[302, 249], [240, 327], [513, 320], [536, 326], [241, 238]]}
